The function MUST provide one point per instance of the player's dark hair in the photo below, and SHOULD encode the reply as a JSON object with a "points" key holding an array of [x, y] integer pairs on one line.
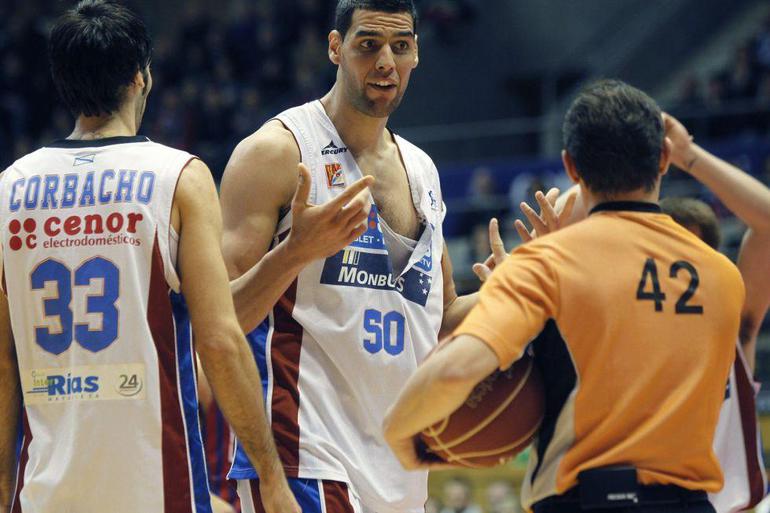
{"points": [[95, 50], [343, 14], [614, 134], [693, 213]]}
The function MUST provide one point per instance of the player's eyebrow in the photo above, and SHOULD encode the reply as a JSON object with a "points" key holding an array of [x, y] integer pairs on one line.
{"points": [[375, 33]]}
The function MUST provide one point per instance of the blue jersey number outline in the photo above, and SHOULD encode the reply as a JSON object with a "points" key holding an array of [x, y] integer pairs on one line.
{"points": [[387, 330], [60, 305]]}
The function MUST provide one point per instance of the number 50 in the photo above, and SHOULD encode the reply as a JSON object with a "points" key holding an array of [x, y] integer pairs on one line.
{"points": [[387, 331]]}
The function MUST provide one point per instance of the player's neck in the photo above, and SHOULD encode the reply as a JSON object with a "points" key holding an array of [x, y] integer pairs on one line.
{"points": [[101, 127], [591, 199], [359, 132]]}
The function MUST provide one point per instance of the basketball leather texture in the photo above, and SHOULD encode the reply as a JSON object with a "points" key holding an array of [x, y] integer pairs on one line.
{"points": [[497, 421]]}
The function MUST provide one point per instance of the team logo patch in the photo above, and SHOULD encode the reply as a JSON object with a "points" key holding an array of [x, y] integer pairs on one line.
{"points": [[84, 159], [335, 177]]}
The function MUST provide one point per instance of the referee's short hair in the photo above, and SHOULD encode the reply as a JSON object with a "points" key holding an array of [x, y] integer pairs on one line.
{"points": [[614, 134]]}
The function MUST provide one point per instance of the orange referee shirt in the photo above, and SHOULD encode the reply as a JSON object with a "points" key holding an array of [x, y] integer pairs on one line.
{"points": [[634, 321]]}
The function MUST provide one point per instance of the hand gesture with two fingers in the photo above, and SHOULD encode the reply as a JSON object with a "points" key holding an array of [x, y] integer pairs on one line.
{"points": [[319, 231]]}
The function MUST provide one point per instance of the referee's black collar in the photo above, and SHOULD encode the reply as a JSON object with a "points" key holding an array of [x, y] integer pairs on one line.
{"points": [[634, 206], [96, 143]]}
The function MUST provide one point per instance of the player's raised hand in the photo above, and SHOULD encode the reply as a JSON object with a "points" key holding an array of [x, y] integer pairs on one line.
{"points": [[319, 231], [681, 142], [484, 270], [549, 219]]}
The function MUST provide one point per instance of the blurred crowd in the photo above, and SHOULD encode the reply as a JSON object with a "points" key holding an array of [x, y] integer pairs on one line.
{"points": [[498, 496], [735, 100], [219, 71]]}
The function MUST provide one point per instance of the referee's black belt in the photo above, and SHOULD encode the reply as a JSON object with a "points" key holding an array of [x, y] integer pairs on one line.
{"points": [[644, 495]]}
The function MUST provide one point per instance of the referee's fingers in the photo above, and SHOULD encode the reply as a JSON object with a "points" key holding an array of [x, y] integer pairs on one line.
{"points": [[495, 241]]}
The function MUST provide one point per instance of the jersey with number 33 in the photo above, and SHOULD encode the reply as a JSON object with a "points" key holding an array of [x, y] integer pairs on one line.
{"points": [[101, 330]]}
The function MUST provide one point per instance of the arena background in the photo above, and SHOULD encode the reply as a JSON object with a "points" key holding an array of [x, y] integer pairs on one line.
{"points": [[486, 103]]}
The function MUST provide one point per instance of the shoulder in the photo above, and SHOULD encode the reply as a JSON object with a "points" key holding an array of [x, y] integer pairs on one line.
{"points": [[265, 154]]}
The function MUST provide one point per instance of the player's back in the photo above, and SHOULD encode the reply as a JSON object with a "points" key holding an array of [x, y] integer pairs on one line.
{"points": [[101, 330], [647, 317]]}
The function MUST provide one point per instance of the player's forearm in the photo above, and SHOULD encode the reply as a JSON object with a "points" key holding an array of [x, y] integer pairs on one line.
{"points": [[235, 381], [744, 195], [258, 289], [752, 262], [455, 312], [10, 405], [430, 394]]}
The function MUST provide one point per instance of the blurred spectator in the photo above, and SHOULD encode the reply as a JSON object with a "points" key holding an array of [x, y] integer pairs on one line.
{"points": [[484, 200], [689, 93], [457, 497], [501, 497], [742, 81]]}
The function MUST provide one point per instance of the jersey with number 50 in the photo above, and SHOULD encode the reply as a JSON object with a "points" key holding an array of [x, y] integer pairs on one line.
{"points": [[101, 330], [348, 333]]}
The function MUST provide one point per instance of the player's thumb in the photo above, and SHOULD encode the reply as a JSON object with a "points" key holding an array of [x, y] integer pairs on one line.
{"points": [[302, 194]]}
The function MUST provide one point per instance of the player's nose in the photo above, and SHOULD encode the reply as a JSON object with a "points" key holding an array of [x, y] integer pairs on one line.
{"points": [[385, 60]]}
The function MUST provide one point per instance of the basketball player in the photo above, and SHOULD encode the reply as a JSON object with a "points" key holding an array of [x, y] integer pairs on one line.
{"points": [[646, 317], [111, 251], [344, 326]]}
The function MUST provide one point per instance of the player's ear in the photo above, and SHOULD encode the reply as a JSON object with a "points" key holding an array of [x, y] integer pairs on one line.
{"points": [[416, 52], [569, 167], [665, 155], [335, 45], [140, 79]]}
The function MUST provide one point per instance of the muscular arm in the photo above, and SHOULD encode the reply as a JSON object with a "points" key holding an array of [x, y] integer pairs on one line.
{"points": [[10, 405], [752, 262], [225, 356], [744, 195], [455, 307], [259, 179]]}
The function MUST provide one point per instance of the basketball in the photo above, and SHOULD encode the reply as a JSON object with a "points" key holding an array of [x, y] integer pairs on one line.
{"points": [[497, 421]]}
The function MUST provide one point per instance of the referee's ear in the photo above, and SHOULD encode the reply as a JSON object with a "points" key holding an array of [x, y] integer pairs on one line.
{"points": [[665, 155], [569, 167]]}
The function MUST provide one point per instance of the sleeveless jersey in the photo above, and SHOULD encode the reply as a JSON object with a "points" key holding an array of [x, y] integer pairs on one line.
{"points": [[738, 445], [346, 335], [101, 330]]}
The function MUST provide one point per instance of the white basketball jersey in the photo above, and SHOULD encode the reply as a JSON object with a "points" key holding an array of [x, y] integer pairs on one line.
{"points": [[348, 333], [101, 331], [737, 444]]}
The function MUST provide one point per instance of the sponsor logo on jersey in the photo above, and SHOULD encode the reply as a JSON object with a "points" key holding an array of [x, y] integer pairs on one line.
{"points": [[366, 264], [333, 149], [116, 228], [335, 177], [87, 383]]}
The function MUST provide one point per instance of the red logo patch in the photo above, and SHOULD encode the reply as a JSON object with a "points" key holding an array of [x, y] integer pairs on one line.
{"points": [[335, 177]]}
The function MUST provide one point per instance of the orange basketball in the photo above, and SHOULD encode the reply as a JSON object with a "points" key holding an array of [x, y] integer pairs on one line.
{"points": [[496, 422]]}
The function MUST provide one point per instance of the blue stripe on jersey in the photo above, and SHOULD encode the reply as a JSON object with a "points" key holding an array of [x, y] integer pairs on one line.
{"points": [[185, 362], [307, 493], [242, 468]]}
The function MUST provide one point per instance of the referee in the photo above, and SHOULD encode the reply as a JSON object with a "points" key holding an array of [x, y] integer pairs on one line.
{"points": [[634, 321]]}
